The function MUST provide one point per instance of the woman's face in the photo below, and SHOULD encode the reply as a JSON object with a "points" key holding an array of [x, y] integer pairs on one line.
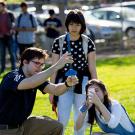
{"points": [[98, 91], [74, 28]]}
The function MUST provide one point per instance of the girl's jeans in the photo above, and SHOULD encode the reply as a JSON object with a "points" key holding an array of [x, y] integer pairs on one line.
{"points": [[65, 103]]}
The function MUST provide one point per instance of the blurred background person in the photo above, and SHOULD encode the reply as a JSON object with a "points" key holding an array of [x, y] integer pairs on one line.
{"points": [[52, 27], [6, 40], [26, 25]]}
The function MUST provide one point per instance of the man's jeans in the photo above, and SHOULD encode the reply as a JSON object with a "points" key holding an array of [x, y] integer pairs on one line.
{"points": [[7, 42], [38, 125]]}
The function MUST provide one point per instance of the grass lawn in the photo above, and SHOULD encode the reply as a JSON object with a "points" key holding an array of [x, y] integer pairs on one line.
{"points": [[119, 76]]}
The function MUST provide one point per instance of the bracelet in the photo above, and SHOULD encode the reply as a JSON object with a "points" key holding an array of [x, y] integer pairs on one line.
{"points": [[84, 108], [67, 84]]}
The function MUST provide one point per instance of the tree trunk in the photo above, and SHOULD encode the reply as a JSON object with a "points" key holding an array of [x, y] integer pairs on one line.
{"points": [[62, 15]]}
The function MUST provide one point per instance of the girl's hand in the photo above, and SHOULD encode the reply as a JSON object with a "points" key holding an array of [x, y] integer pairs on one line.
{"points": [[92, 97], [88, 103]]}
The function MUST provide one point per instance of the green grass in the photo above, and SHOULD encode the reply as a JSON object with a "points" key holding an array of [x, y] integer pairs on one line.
{"points": [[14, 1], [119, 76]]}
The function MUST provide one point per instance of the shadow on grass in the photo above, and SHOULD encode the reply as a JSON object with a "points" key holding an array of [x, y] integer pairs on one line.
{"points": [[119, 61]]}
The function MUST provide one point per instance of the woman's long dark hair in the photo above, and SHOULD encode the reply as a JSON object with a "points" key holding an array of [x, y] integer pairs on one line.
{"points": [[107, 101]]}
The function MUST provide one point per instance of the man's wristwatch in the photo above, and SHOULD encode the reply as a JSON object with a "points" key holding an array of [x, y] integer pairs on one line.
{"points": [[67, 84]]}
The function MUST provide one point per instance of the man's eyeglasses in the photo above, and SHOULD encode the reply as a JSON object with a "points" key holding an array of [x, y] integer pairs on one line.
{"points": [[39, 64]]}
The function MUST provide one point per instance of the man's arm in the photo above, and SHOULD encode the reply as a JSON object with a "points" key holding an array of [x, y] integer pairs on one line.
{"points": [[40, 78], [55, 58], [58, 89]]}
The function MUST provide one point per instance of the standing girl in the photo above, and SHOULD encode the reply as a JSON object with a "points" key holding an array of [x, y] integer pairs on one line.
{"points": [[84, 64]]}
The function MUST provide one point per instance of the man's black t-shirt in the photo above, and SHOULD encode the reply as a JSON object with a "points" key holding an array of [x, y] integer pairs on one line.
{"points": [[16, 105], [52, 22]]}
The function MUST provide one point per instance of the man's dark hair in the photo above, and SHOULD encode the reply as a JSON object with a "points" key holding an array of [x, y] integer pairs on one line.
{"points": [[23, 4], [31, 53], [75, 16], [3, 4], [51, 12]]}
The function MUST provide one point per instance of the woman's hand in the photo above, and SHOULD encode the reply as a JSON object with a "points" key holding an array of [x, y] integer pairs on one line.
{"points": [[88, 103], [92, 97]]}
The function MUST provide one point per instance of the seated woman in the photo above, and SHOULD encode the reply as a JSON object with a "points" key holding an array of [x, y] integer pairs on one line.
{"points": [[109, 114]]}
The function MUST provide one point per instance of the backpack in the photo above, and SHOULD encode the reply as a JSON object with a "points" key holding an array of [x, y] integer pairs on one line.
{"points": [[11, 17], [31, 19], [19, 19], [85, 43]]}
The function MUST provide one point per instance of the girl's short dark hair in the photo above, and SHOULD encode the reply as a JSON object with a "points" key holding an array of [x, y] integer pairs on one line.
{"points": [[31, 53], [75, 16]]}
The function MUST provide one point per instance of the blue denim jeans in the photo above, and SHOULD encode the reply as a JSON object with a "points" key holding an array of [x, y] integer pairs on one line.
{"points": [[7, 42], [65, 104]]}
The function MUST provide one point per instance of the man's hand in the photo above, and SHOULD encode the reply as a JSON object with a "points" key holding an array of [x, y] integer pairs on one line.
{"points": [[66, 58], [72, 80]]}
